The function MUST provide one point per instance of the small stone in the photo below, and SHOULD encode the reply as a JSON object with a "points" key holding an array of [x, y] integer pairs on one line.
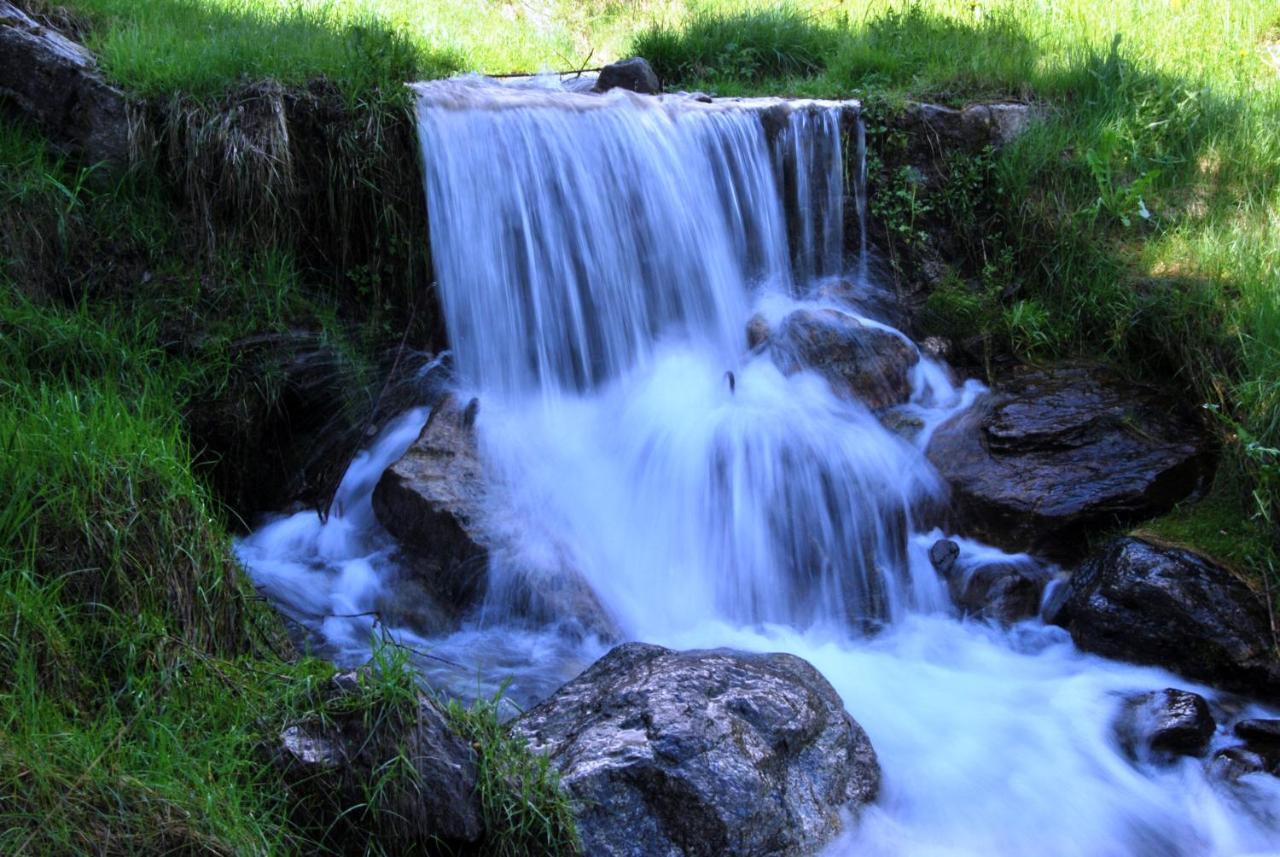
{"points": [[1232, 763], [943, 556], [634, 74], [1168, 721]]}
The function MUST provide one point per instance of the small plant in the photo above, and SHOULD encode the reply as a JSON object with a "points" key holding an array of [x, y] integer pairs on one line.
{"points": [[526, 812]]}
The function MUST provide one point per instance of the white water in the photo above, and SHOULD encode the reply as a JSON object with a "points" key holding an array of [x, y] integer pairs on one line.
{"points": [[598, 260]]}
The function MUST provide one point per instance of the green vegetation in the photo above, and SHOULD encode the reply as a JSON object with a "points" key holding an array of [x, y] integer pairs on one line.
{"points": [[519, 792]]}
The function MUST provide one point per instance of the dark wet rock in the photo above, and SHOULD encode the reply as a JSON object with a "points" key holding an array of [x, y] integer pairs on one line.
{"points": [[943, 555], [1004, 592], [55, 83], [860, 361], [1232, 763], [634, 74], [1054, 452], [704, 753], [432, 501], [1166, 721], [1152, 604], [450, 522], [1259, 731], [332, 764]]}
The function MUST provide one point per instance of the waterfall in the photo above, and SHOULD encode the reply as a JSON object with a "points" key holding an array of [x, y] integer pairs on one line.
{"points": [[599, 258]]}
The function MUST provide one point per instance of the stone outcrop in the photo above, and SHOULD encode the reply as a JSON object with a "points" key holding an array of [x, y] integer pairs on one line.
{"points": [[55, 83], [1151, 604], [1171, 721], [432, 500], [703, 753], [970, 127], [331, 765], [634, 74], [1053, 452], [860, 361], [450, 521]]}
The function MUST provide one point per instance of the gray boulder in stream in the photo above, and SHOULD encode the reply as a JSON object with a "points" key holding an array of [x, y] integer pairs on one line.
{"points": [[1154, 604], [1056, 451], [704, 753], [861, 361]]}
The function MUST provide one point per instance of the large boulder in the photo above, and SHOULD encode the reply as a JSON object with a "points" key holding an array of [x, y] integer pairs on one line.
{"points": [[55, 82], [423, 774], [634, 74], [861, 361], [451, 521], [1154, 604], [704, 753], [1053, 452]]}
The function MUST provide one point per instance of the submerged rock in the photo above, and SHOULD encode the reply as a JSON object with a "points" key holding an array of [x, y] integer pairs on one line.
{"points": [[332, 765], [1151, 604], [1004, 591], [704, 753], [1053, 452], [860, 361], [634, 74], [1166, 721], [56, 83], [1232, 763]]}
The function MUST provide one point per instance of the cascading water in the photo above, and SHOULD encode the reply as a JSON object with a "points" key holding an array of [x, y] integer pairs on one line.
{"points": [[598, 260]]}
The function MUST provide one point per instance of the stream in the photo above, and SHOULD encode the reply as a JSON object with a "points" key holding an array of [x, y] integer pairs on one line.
{"points": [[599, 258]]}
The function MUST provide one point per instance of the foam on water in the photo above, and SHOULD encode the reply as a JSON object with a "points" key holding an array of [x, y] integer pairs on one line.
{"points": [[598, 259]]}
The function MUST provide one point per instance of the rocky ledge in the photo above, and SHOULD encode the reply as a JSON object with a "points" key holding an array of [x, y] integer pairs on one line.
{"points": [[704, 753], [1054, 452]]}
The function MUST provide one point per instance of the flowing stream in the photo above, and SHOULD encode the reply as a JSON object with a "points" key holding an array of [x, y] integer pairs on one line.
{"points": [[598, 259]]}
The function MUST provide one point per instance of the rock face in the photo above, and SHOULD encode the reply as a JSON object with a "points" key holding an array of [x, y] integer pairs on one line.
{"points": [[331, 765], [1141, 602], [1053, 452], [56, 83], [634, 74], [1166, 721], [973, 126], [1004, 591], [432, 501], [860, 361], [448, 519], [704, 753]]}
